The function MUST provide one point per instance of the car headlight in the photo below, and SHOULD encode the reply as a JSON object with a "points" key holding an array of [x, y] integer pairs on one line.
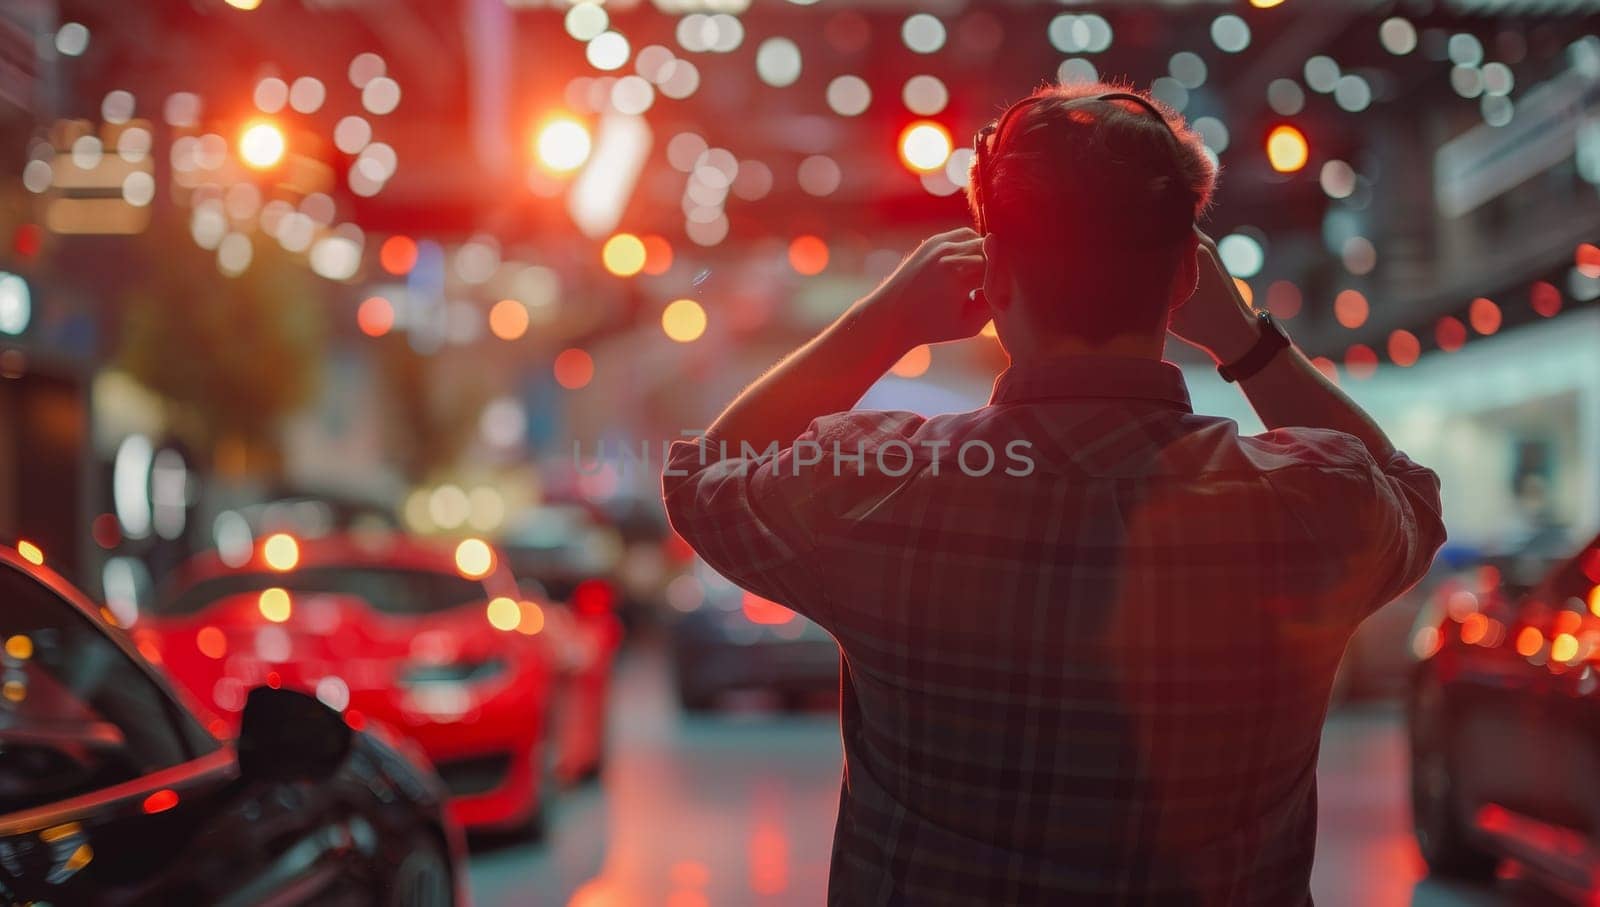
{"points": [[460, 672]]}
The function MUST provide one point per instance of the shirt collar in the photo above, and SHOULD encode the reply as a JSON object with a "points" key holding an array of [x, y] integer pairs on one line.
{"points": [[1094, 377]]}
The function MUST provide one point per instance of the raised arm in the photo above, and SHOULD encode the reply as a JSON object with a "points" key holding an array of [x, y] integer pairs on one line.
{"points": [[924, 301], [1290, 391]]}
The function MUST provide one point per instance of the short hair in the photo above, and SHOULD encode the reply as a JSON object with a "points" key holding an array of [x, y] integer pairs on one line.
{"points": [[1095, 199]]}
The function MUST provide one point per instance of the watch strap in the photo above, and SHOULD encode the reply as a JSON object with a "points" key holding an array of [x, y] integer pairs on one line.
{"points": [[1273, 340]]}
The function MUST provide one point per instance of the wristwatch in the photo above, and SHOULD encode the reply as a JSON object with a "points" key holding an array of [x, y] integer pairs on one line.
{"points": [[1273, 340]]}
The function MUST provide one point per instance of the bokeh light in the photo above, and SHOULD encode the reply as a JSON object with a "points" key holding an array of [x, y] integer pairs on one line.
{"points": [[915, 363], [1350, 308], [563, 144], [925, 146], [573, 368], [274, 604], [398, 255], [280, 551], [1404, 348], [1360, 361], [808, 255], [262, 145], [375, 316], [624, 255], [474, 559], [1450, 333], [1484, 316], [1287, 149], [683, 320], [508, 319]]}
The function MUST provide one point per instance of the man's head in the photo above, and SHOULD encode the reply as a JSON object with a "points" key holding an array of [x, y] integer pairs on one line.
{"points": [[1089, 208]]}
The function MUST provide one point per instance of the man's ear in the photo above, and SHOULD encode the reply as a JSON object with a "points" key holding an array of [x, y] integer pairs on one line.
{"points": [[1187, 279], [996, 273]]}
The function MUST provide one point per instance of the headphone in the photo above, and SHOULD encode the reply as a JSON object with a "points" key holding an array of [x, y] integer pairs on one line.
{"points": [[986, 137]]}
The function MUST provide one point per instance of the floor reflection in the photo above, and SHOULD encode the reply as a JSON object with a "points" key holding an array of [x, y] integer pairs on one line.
{"points": [[739, 810]]}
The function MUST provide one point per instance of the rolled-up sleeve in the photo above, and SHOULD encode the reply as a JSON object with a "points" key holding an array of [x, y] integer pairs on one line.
{"points": [[747, 516], [757, 518], [1382, 522]]}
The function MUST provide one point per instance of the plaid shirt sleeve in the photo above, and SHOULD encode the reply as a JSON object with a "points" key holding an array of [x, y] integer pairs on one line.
{"points": [[756, 516], [1382, 519]]}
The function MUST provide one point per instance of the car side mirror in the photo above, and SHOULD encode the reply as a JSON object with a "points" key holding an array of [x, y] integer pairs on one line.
{"points": [[286, 735]]}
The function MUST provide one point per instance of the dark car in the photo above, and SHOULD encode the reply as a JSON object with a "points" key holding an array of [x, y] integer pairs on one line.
{"points": [[114, 791], [730, 640], [1505, 727]]}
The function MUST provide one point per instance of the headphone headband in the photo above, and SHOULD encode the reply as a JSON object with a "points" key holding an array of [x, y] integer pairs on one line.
{"points": [[990, 133]]}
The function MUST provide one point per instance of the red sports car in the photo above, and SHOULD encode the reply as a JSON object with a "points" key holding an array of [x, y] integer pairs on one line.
{"points": [[438, 645]]}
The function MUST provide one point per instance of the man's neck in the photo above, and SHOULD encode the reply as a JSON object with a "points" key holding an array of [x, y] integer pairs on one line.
{"points": [[1042, 349]]}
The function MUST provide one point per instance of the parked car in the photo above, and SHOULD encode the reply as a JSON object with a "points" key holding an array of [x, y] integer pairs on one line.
{"points": [[113, 791], [728, 639], [434, 644], [1505, 727], [584, 635]]}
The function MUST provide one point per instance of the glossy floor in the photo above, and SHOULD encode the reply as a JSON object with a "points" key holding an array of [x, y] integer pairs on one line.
{"points": [[739, 809]]}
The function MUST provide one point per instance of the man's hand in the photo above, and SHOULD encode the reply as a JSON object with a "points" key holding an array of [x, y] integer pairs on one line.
{"points": [[928, 298], [1216, 319]]}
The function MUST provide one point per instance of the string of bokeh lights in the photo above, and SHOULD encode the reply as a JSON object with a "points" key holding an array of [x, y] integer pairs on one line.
{"points": [[228, 206]]}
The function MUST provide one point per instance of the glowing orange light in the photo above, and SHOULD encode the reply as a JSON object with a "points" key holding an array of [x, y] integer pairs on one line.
{"points": [[211, 642], [1245, 291], [562, 144], [532, 621], [808, 255], [1529, 642], [1361, 361], [623, 255], [1564, 647], [1327, 367], [20, 647], [759, 610], [1484, 316], [262, 145], [1588, 260], [280, 551], [30, 552], [574, 369], [1594, 601], [925, 146], [274, 605], [989, 330], [1265, 4], [683, 320], [1350, 308], [160, 801], [508, 319], [398, 254], [1474, 628], [1450, 333], [244, 4], [375, 316], [657, 254], [1287, 149], [915, 363], [1545, 298], [1404, 348]]}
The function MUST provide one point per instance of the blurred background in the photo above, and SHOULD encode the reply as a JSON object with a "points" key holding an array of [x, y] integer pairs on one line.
{"points": [[458, 270]]}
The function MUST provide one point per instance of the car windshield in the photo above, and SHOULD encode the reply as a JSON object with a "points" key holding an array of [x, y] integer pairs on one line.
{"points": [[76, 713], [391, 590]]}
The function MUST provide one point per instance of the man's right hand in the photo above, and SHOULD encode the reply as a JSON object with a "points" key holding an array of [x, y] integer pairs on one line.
{"points": [[1216, 319]]}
